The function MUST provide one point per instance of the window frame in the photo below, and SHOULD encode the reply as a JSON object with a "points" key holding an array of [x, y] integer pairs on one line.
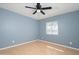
{"points": [[52, 28]]}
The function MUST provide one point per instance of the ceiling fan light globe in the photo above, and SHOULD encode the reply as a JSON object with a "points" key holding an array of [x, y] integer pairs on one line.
{"points": [[38, 10]]}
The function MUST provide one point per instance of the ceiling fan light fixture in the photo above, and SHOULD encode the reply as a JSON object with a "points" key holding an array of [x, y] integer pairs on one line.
{"points": [[38, 10]]}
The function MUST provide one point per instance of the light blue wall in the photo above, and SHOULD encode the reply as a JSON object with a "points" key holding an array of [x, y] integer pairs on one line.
{"points": [[23, 29], [16, 27], [68, 29]]}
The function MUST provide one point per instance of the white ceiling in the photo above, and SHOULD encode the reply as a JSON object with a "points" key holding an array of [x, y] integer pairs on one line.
{"points": [[58, 8]]}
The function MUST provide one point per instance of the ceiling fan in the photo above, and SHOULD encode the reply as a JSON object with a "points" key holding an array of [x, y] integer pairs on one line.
{"points": [[39, 8]]}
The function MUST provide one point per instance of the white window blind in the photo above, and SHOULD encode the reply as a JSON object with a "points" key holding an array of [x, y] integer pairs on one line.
{"points": [[52, 28]]}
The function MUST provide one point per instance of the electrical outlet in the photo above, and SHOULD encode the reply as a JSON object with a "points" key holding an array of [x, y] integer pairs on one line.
{"points": [[13, 41], [70, 43]]}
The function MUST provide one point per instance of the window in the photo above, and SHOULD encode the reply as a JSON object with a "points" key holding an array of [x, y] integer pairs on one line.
{"points": [[52, 28]]}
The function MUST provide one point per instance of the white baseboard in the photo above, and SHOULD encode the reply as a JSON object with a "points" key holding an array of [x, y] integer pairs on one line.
{"points": [[59, 45], [17, 45], [41, 41]]}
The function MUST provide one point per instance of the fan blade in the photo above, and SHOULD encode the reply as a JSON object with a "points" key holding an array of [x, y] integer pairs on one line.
{"points": [[30, 7], [42, 12], [46, 8], [34, 12]]}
